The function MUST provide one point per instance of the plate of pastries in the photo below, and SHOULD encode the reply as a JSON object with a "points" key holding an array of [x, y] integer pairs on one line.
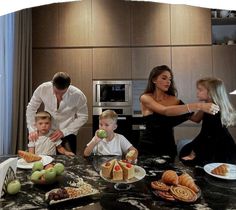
{"points": [[221, 170], [176, 188], [27, 159], [121, 171]]}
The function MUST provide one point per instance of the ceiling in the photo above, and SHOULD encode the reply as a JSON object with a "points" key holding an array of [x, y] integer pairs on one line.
{"points": [[10, 6]]}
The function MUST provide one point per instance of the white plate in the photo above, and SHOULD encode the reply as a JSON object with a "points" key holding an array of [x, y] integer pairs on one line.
{"points": [[139, 174], [21, 163], [230, 176]]}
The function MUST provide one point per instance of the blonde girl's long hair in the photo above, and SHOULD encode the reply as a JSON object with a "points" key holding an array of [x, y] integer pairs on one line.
{"points": [[217, 92]]}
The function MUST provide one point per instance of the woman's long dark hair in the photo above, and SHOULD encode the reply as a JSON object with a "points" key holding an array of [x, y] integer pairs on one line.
{"points": [[156, 71]]}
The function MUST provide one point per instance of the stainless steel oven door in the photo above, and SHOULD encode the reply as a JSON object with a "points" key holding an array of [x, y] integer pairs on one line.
{"points": [[112, 93]]}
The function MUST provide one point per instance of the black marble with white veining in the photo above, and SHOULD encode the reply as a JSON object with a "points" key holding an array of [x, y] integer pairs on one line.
{"points": [[215, 193]]}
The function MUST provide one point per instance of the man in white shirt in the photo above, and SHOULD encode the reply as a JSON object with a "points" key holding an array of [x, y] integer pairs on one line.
{"points": [[67, 105]]}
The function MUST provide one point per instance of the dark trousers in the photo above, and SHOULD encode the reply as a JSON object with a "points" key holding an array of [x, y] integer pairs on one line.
{"points": [[69, 143]]}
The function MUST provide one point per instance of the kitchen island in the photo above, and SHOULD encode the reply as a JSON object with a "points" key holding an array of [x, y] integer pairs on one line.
{"points": [[215, 193]]}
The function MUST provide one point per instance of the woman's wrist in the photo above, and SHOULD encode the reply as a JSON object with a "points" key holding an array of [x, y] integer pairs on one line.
{"points": [[189, 110]]}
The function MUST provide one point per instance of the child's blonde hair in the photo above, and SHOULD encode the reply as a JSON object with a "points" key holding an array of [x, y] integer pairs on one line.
{"points": [[217, 92], [43, 115], [109, 114]]}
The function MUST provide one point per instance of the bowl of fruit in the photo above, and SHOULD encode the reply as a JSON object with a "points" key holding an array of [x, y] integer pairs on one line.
{"points": [[49, 174]]}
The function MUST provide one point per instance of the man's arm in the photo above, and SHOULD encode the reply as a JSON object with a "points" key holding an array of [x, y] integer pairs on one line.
{"points": [[63, 151]]}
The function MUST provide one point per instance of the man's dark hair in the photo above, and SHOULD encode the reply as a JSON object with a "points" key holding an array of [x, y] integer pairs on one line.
{"points": [[61, 80]]}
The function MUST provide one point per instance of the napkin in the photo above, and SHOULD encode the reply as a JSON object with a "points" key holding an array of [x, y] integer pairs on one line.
{"points": [[7, 173]]}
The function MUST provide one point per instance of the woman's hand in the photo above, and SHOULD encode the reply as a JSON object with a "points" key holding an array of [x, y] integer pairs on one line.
{"points": [[210, 108]]}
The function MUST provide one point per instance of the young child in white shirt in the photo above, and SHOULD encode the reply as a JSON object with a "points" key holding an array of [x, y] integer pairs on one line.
{"points": [[43, 145], [114, 143]]}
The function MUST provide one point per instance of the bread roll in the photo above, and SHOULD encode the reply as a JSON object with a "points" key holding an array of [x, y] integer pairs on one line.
{"points": [[186, 180], [221, 170], [170, 177], [28, 157]]}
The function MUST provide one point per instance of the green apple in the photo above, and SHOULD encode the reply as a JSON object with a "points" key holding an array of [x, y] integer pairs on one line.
{"points": [[37, 166], [13, 187], [35, 176], [101, 134], [59, 168], [50, 175]]}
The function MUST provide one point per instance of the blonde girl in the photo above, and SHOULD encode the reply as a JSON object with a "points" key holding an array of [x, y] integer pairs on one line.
{"points": [[214, 142]]}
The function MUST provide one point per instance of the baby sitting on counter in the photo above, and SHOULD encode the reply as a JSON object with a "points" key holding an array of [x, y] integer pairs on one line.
{"points": [[107, 142]]}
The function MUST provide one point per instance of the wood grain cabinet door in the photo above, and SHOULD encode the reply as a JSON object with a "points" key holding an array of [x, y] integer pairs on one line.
{"points": [[75, 23], [112, 63], [144, 59], [45, 26], [150, 24], [190, 25], [62, 25], [110, 23], [190, 64]]}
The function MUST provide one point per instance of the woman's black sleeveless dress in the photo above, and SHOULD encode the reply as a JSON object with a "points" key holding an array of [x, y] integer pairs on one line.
{"points": [[214, 143], [158, 137]]}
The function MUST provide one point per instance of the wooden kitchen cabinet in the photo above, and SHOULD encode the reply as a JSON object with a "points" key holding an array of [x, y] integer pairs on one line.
{"points": [[150, 24], [74, 23], [224, 62], [83, 138], [45, 26], [62, 25], [76, 62], [110, 23], [190, 25], [190, 64], [144, 59], [112, 63]]}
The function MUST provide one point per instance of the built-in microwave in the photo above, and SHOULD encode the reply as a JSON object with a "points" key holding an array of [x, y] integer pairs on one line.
{"points": [[112, 93]]}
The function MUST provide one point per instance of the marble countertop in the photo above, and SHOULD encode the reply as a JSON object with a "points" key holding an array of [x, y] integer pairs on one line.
{"points": [[215, 193]]}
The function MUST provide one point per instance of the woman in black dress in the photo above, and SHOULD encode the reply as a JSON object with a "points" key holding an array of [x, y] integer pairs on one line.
{"points": [[162, 110], [214, 142]]}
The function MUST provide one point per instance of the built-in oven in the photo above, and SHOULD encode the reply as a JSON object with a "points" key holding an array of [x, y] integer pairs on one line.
{"points": [[112, 93]]}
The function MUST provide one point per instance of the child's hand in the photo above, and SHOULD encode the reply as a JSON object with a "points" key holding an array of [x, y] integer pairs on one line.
{"points": [[97, 139], [67, 153], [131, 156]]}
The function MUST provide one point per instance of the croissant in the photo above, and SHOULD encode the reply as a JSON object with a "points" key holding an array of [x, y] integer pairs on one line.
{"points": [[221, 170], [28, 157], [170, 177], [187, 181]]}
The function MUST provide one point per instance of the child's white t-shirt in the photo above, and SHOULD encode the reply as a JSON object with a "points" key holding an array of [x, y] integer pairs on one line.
{"points": [[44, 145], [119, 145]]}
